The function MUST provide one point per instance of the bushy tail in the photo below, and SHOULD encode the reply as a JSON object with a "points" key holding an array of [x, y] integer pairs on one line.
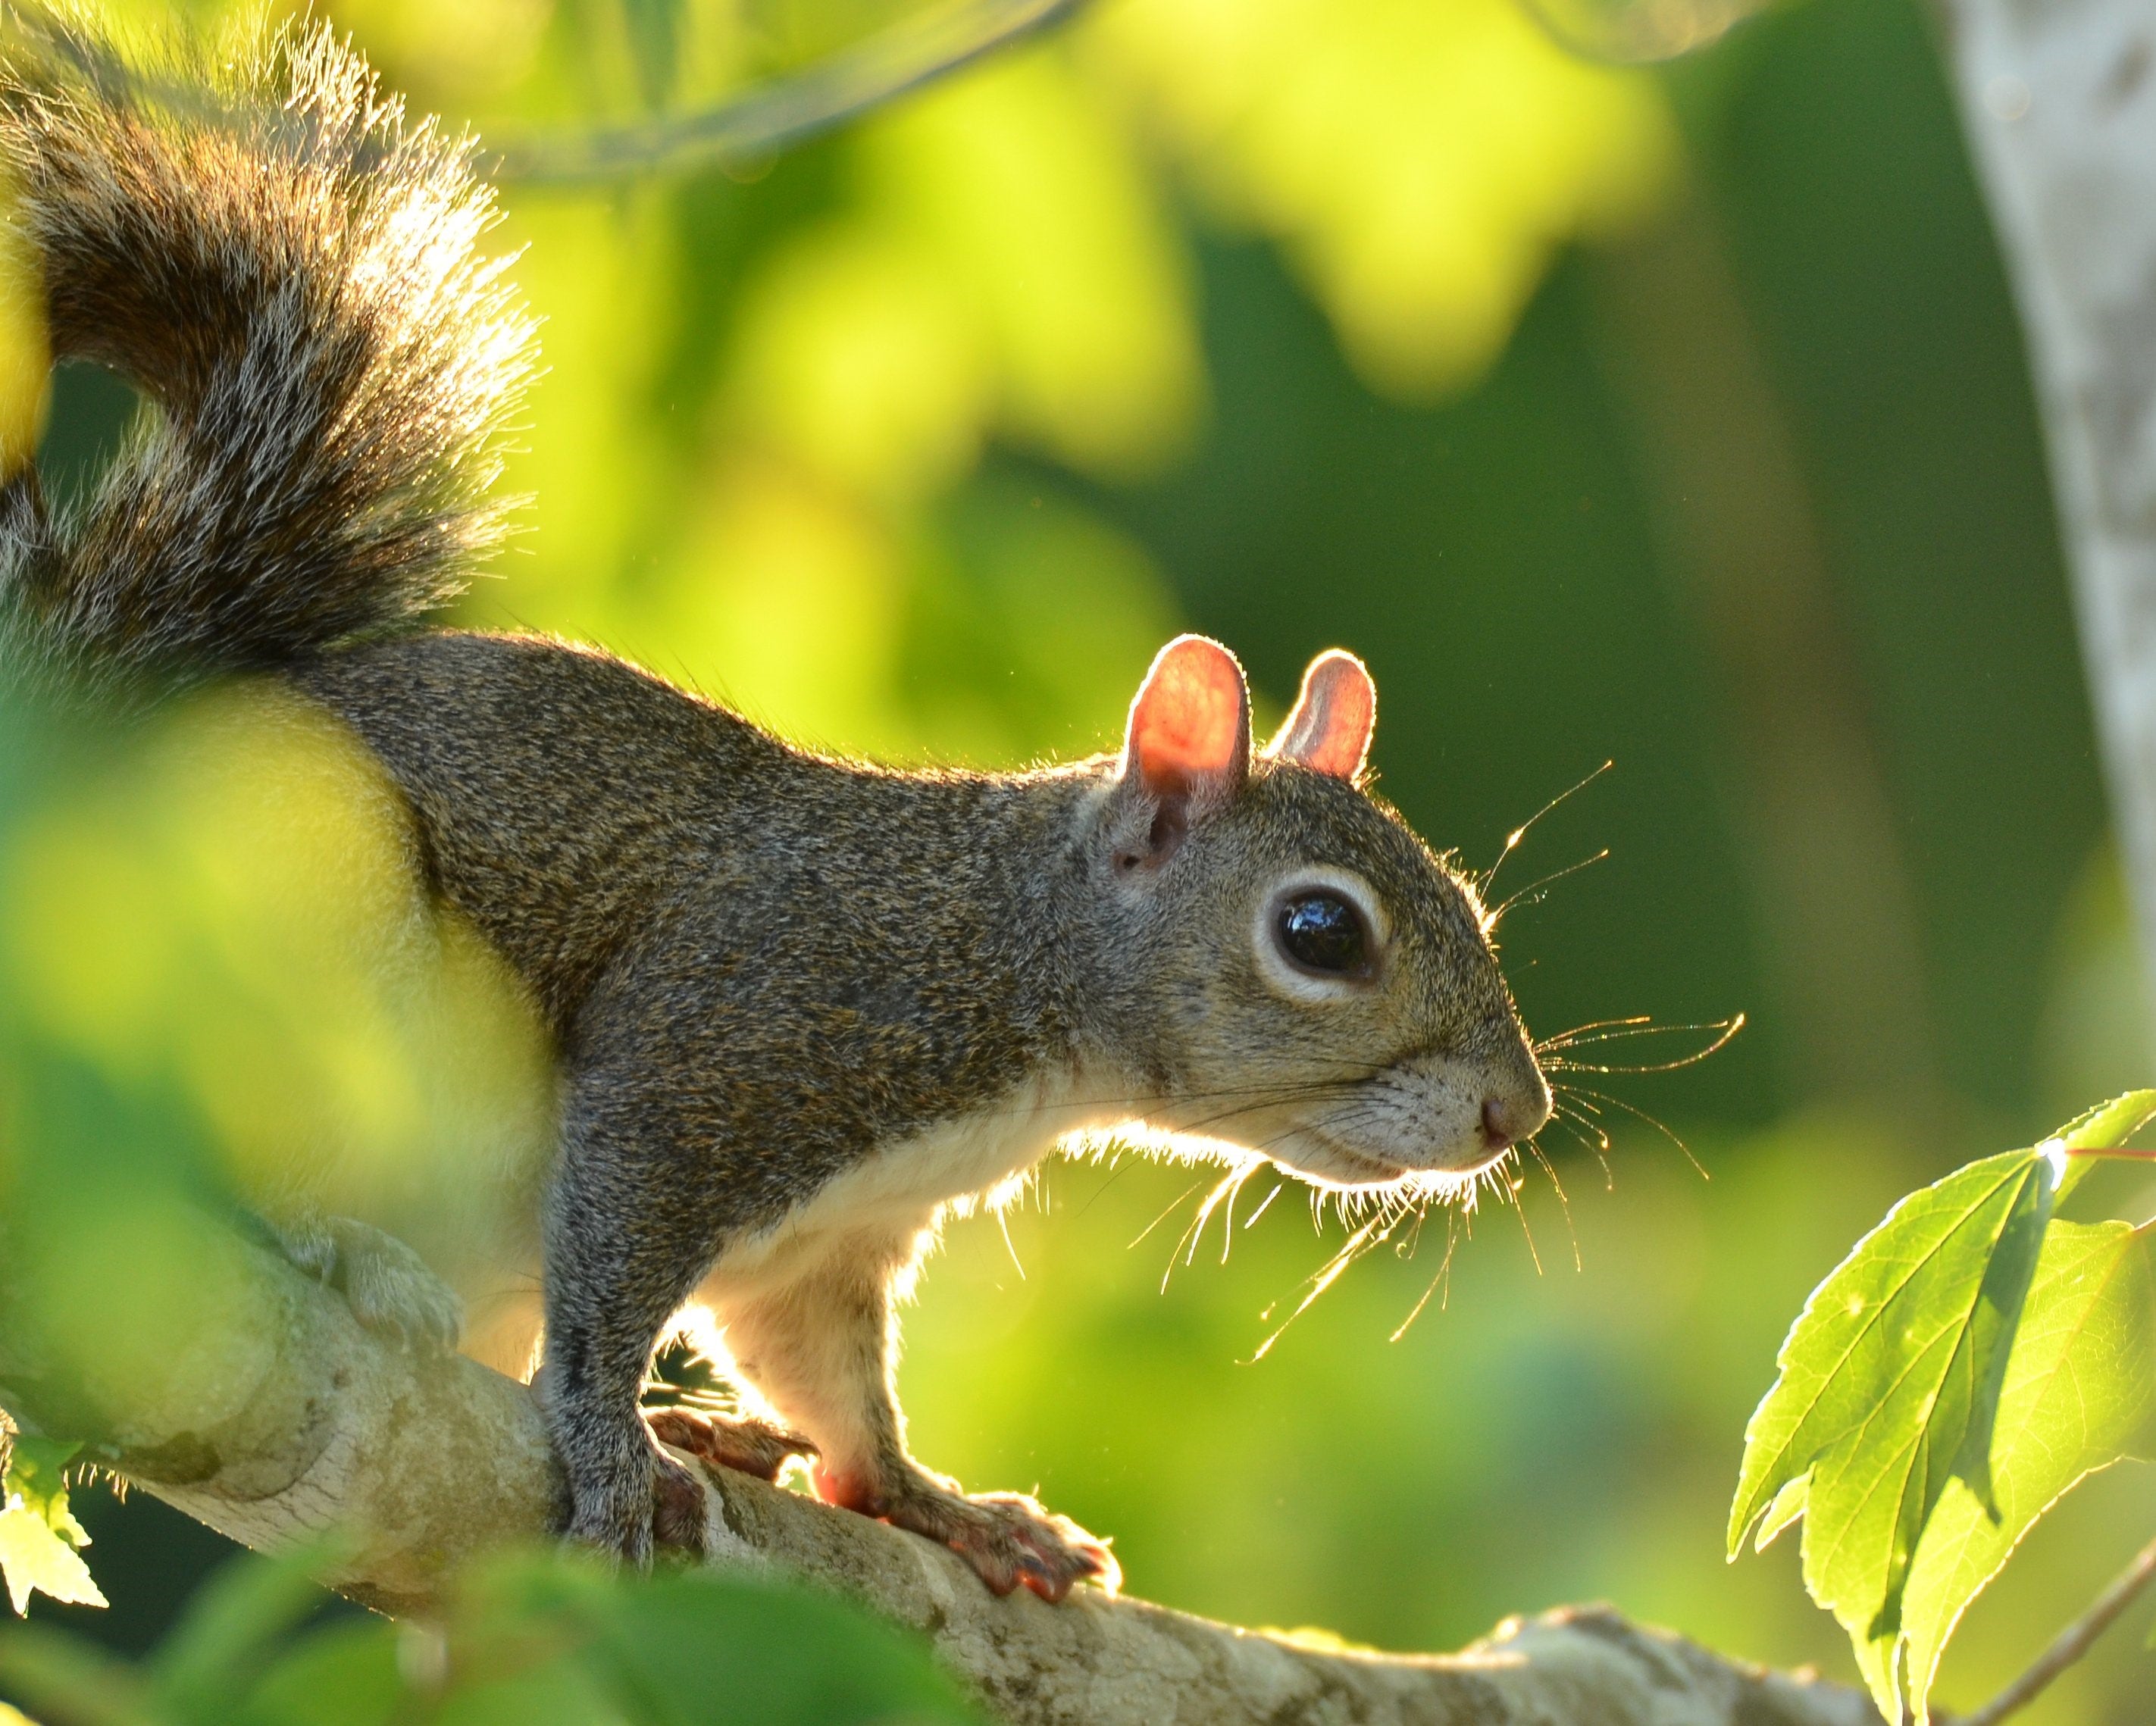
{"points": [[284, 266]]}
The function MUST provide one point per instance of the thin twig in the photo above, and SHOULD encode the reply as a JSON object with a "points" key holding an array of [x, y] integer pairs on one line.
{"points": [[757, 123], [2073, 1643]]}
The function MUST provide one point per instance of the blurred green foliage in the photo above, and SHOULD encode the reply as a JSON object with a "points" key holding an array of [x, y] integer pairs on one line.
{"points": [[1374, 323], [545, 1639]]}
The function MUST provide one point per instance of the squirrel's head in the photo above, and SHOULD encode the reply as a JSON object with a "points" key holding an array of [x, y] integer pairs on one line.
{"points": [[1304, 977]]}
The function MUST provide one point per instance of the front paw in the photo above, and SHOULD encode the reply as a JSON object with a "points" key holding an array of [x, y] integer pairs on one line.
{"points": [[388, 1286], [742, 1443], [1008, 1538]]}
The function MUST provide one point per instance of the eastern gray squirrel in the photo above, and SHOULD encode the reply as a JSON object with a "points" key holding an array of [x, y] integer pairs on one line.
{"points": [[796, 1006]]}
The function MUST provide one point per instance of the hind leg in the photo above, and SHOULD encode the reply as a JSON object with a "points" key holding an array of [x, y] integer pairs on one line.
{"points": [[821, 1348]]}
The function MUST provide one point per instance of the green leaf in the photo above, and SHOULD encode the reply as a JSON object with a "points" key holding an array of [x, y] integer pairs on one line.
{"points": [[2103, 1128], [34, 1558], [683, 1638], [2108, 1125], [1788, 1506], [533, 1638], [1888, 1378], [67, 1678], [38, 1534], [218, 1651], [2080, 1385], [343, 1675], [562, 1691], [1890, 1386], [37, 1474]]}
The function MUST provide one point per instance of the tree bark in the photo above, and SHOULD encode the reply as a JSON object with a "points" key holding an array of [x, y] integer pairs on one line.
{"points": [[290, 1419], [2059, 99]]}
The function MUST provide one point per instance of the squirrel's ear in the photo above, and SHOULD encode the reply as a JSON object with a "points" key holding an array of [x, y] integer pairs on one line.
{"points": [[1189, 747], [1330, 729]]}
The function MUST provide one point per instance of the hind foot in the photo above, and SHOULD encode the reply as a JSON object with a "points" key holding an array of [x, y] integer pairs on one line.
{"points": [[1008, 1538]]}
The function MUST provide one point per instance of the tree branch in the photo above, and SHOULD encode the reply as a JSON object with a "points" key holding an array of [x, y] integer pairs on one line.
{"points": [[2073, 1642], [290, 1419], [759, 122]]}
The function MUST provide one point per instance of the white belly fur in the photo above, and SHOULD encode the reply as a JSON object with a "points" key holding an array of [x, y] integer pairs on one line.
{"points": [[890, 1204]]}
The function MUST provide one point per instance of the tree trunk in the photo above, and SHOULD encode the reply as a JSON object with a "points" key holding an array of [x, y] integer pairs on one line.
{"points": [[2059, 99]]}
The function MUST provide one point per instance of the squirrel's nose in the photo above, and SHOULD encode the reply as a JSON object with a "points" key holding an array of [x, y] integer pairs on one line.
{"points": [[1505, 1123]]}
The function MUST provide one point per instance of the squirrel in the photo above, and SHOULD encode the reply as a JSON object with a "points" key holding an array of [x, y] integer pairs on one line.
{"points": [[795, 1006]]}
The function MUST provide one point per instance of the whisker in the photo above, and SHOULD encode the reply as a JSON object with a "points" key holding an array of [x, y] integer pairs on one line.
{"points": [[1598, 1024], [1250, 1222], [1116, 1165], [1513, 839], [1490, 919], [1387, 1211], [1406, 1248], [1356, 1073], [1356, 1245], [1227, 1221], [1558, 1038], [1444, 1276], [1003, 1222], [1226, 1190], [1163, 1217], [1196, 1226], [1589, 1131], [1612, 1030], [1269, 1099], [1581, 1126], [1725, 1031], [1511, 1197], [1579, 1092], [1564, 1203], [1185, 1246]]}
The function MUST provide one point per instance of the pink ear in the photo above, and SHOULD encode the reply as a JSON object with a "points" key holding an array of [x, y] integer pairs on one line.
{"points": [[1190, 725], [1329, 731]]}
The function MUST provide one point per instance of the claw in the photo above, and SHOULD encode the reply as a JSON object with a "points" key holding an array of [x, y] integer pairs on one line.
{"points": [[1043, 1581]]}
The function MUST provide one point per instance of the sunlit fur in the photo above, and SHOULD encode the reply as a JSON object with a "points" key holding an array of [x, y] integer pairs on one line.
{"points": [[795, 1006], [284, 264], [1363, 1084]]}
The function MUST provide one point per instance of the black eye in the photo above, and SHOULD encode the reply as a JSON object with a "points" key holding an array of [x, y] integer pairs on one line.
{"points": [[1320, 931]]}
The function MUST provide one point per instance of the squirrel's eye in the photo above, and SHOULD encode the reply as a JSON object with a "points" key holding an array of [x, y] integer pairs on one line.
{"points": [[1322, 932]]}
